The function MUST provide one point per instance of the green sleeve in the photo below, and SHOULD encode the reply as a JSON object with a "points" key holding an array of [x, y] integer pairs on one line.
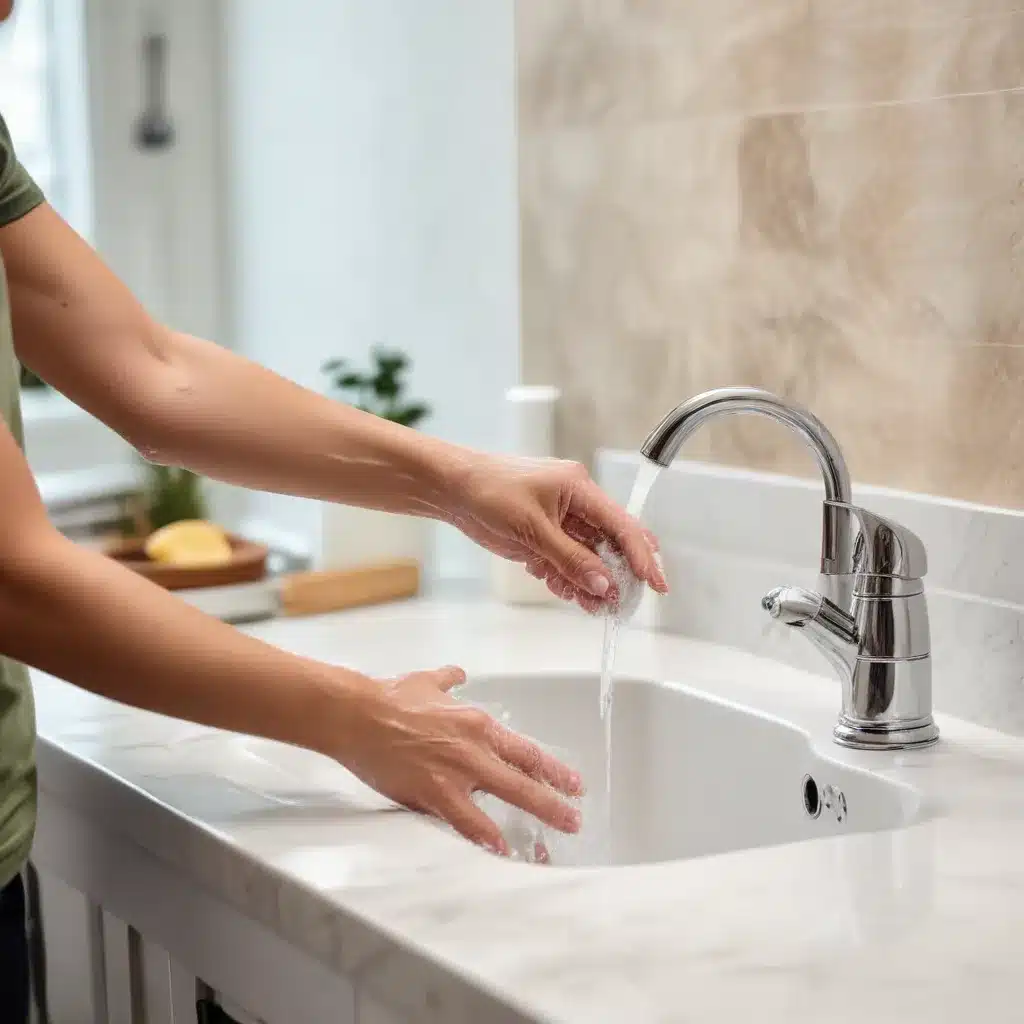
{"points": [[18, 192]]}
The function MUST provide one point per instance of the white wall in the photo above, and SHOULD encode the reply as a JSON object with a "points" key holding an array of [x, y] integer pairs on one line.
{"points": [[157, 213], [372, 175]]}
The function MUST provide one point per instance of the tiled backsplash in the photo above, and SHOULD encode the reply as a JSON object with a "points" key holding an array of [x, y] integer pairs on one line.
{"points": [[822, 198], [729, 536]]}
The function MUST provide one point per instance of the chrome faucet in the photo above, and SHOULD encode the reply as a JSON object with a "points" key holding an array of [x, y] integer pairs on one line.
{"points": [[870, 618]]}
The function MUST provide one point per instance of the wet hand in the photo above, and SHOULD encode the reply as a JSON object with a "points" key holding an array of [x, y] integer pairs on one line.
{"points": [[550, 515], [417, 745]]}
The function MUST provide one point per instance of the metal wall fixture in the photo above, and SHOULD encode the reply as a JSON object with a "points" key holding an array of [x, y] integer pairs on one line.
{"points": [[154, 129]]}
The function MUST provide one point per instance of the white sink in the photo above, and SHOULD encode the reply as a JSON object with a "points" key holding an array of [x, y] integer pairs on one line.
{"points": [[692, 775]]}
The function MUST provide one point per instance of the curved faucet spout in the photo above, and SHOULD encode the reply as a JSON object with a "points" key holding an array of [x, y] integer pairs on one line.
{"points": [[671, 434]]}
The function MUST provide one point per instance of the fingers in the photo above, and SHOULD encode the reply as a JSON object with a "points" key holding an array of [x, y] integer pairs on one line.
{"points": [[573, 560], [525, 755], [635, 541], [516, 770], [581, 530], [470, 822], [529, 795], [562, 588], [537, 568]]}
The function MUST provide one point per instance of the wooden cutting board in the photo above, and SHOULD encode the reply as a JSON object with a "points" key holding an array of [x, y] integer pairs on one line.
{"points": [[316, 593]]}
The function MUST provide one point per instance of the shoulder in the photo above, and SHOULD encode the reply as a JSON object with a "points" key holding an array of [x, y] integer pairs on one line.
{"points": [[18, 192]]}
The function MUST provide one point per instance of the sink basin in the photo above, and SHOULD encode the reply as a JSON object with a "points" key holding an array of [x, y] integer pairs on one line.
{"points": [[691, 775]]}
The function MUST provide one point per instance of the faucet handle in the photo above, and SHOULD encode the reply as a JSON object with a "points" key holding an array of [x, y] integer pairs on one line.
{"points": [[876, 546]]}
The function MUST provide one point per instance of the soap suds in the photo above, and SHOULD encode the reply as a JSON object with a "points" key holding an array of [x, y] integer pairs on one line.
{"points": [[630, 589]]}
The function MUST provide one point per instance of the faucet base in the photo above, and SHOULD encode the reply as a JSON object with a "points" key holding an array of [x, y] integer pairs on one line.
{"points": [[906, 736]]}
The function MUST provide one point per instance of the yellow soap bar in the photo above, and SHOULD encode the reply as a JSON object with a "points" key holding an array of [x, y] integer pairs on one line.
{"points": [[190, 543]]}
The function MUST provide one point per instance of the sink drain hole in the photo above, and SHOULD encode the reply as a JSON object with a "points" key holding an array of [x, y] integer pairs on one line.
{"points": [[812, 801]]}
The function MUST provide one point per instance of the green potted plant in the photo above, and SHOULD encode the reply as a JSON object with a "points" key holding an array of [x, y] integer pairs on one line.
{"points": [[380, 391], [173, 494], [356, 537], [170, 494]]}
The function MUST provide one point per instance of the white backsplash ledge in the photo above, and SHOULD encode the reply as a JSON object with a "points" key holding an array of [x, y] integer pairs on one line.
{"points": [[729, 536]]}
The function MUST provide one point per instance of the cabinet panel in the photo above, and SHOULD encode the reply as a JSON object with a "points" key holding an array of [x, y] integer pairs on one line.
{"points": [[183, 994], [155, 984], [69, 936], [117, 962]]}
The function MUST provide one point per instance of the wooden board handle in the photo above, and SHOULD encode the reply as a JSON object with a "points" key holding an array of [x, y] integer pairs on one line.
{"points": [[316, 593]]}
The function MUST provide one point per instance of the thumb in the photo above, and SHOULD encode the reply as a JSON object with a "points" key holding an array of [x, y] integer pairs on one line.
{"points": [[575, 561]]}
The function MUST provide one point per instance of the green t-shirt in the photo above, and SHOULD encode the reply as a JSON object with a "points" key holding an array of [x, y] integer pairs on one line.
{"points": [[18, 195]]}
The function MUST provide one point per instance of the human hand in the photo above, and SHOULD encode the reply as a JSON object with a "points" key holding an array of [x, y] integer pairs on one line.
{"points": [[550, 515], [420, 747]]}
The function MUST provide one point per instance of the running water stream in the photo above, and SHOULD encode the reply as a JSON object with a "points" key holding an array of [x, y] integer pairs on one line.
{"points": [[646, 475]]}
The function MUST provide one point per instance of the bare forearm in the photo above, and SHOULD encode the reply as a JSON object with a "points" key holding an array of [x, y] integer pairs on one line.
{"points": [[79, 616], [193, 403], [231, 419]]}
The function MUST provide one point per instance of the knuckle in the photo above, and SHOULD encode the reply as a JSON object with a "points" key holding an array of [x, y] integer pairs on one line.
{"points": [[478, 723], [576, 560], [532, 760]]}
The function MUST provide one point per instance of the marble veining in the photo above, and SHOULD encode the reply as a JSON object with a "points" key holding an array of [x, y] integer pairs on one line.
{"points": [[429, 929], [583, 62], [821, 199]]}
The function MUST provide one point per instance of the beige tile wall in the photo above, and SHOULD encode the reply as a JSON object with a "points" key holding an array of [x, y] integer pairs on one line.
{"points": [[820, 197]]}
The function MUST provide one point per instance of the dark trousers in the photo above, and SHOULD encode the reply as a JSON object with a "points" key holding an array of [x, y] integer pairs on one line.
{"points": [[14, 971]]}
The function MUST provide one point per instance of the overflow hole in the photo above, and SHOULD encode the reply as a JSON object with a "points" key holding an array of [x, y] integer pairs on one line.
{"points": [[812, 801]]}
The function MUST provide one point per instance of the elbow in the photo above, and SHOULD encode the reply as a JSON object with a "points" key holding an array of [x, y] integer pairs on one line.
{"points": [[156, 420], [150, 439], [155, 402], [155, 448]]}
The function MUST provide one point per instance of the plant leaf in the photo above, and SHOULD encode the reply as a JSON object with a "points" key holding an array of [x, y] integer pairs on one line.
{"points": [[378, 392], [410, 415], [386, 385]]}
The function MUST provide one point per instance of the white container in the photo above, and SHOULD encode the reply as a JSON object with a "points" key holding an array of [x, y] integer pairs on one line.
{"points": [[354, 537], [530, 413]]}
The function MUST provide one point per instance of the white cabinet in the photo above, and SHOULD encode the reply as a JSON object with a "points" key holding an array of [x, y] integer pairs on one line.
{"points": [[99, 970], [135, 961]]}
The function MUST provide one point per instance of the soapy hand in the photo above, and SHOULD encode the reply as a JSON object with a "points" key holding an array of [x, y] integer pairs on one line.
{"points": [[550, 515], [423, 749]]}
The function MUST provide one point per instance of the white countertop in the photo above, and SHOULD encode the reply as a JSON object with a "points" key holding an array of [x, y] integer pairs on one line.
{"points": [[923, 923]]}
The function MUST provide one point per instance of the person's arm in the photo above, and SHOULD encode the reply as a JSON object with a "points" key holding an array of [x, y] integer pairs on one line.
{"points": [[189, 402], [185, 401], [80, 616]]}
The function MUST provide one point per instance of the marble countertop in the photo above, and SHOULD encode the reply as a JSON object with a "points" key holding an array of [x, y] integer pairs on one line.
{"points": [[922, 923]]}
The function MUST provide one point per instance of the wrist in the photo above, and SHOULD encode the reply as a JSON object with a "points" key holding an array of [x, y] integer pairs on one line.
{"points": [[444, 472], [340, 702]]}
